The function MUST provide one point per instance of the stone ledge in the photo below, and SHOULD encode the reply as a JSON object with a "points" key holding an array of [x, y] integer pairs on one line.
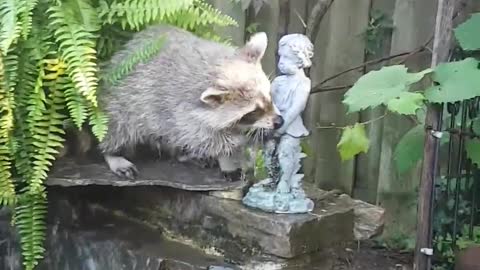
{"points": [[227, 225], [67, 172]]}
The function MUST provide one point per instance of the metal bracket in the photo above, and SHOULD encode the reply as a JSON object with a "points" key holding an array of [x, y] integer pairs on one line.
{"points": [[427, 251], [436, 134]]}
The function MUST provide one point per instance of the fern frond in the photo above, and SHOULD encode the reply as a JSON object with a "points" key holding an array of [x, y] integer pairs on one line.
{"points": [[26, 17], [199, 14], [138, 13], [29, 70], [76, 47], [7, 188], [46, 123], [30, 220], [110, 39], [116, 73], [10, 27], [98, 122]]}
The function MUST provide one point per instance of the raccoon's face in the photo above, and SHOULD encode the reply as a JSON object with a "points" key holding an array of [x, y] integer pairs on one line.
{"points": [[241, 94]]}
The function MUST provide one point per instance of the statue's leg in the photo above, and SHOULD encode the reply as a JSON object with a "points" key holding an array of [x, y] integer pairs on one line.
{"points": [[288, 156], [271, 160]]}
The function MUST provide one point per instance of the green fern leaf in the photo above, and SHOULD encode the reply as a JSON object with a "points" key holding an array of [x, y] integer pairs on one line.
{"points": [[10, 27], [7, 189], [98, 122], [47, 130], [151, 48], [30, 220], [199, 14], [76, 47], [26, 17], [138, 13]]}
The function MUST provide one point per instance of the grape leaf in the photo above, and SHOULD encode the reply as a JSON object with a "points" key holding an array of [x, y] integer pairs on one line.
{"points": [[380, 86], [472, 146], [468, 33], [353, 141], [458, 81], [409, 150], [406, 103]]}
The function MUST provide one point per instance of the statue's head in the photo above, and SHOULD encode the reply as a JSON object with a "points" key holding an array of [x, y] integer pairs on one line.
{"points": [[295, 52]]}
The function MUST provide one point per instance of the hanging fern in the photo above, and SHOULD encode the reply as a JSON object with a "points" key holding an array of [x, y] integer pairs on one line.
{"points": [[152, 47], [77, 48], [50, 51], [7, 189]]}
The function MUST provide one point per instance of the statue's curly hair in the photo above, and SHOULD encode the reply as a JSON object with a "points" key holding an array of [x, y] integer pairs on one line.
{"points": [[301, 46]]}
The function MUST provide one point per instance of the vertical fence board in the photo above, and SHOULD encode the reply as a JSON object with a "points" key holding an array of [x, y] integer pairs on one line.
{"points": [[414, 22], [234, 10], [298, 16], [368, 165], [268, 21], [338, 46]]}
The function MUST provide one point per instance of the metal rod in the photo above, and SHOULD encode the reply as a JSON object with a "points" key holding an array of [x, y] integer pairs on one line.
{"points": [[458, 176]]}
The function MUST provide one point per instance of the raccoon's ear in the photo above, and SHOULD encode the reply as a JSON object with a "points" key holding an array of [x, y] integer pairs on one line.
{"points": [[254, 49], [213, 96]]}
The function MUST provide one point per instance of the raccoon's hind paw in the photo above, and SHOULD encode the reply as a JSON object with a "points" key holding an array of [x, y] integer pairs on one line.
{"points": [[234, 176], [122, 167]]}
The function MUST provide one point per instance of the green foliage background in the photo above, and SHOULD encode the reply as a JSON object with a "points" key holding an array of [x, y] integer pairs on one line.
{"points": [[393, 88], [50, 68]]}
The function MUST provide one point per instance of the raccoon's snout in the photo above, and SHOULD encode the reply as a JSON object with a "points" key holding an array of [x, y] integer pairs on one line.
{"points": [[278, 122]]}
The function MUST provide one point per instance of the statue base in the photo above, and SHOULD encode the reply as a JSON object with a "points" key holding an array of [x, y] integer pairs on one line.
{"points": [[264, 196]]}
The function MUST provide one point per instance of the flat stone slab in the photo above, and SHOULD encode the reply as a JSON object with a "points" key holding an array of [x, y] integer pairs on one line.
{"points": [[67, 172], [227, 225]]}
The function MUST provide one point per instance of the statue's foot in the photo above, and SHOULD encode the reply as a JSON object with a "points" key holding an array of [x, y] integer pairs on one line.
{"points": [[234, 176], [283, 187], [121, 167]]}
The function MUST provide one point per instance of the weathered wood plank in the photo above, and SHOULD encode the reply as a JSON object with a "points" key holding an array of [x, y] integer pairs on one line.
{"points": [[268, 22], [368, 165], [297, 16], [338, 46], [414, 22], [234, 10]]}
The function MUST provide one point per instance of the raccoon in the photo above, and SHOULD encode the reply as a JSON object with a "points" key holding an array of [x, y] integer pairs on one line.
{"points": [[196, 95]]}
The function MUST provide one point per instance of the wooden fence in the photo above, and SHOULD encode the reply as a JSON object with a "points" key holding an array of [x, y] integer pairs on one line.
{"points": [[340, 44]]}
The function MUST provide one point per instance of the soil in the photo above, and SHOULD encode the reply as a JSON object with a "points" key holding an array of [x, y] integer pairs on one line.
{"points": [[367, 256]]}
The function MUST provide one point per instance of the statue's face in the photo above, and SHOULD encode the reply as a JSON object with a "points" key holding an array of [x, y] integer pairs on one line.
{"points": [[289, 63]]}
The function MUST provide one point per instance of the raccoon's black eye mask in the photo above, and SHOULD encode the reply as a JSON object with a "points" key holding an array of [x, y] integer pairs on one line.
{"points": [[252, 116]]}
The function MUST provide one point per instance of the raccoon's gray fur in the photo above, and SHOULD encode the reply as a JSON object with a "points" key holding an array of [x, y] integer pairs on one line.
{"points": [[196, 95]]}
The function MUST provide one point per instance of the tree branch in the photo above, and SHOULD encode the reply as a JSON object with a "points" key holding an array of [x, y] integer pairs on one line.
{"points": [[361, 123], [315, 17], [318, 88]]}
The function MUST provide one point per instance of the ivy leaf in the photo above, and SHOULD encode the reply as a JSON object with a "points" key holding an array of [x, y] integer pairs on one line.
{"points": [[380, 86], [468, 33], [353, 141], [472, 146], [406, 103], [458, 81]]}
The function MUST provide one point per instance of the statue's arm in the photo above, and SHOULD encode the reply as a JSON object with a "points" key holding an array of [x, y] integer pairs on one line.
{"points": [[302, 93]]}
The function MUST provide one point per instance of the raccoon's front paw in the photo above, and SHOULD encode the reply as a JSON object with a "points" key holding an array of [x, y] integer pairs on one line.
{"points": [[122, 167], [234, 176]]}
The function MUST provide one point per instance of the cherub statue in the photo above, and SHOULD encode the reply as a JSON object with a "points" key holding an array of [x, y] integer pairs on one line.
{"points": [[282, 192]]}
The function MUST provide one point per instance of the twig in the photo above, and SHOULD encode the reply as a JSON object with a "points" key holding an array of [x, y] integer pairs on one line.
{"points": [[318, 88], [330, 88], [361, 123]]}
